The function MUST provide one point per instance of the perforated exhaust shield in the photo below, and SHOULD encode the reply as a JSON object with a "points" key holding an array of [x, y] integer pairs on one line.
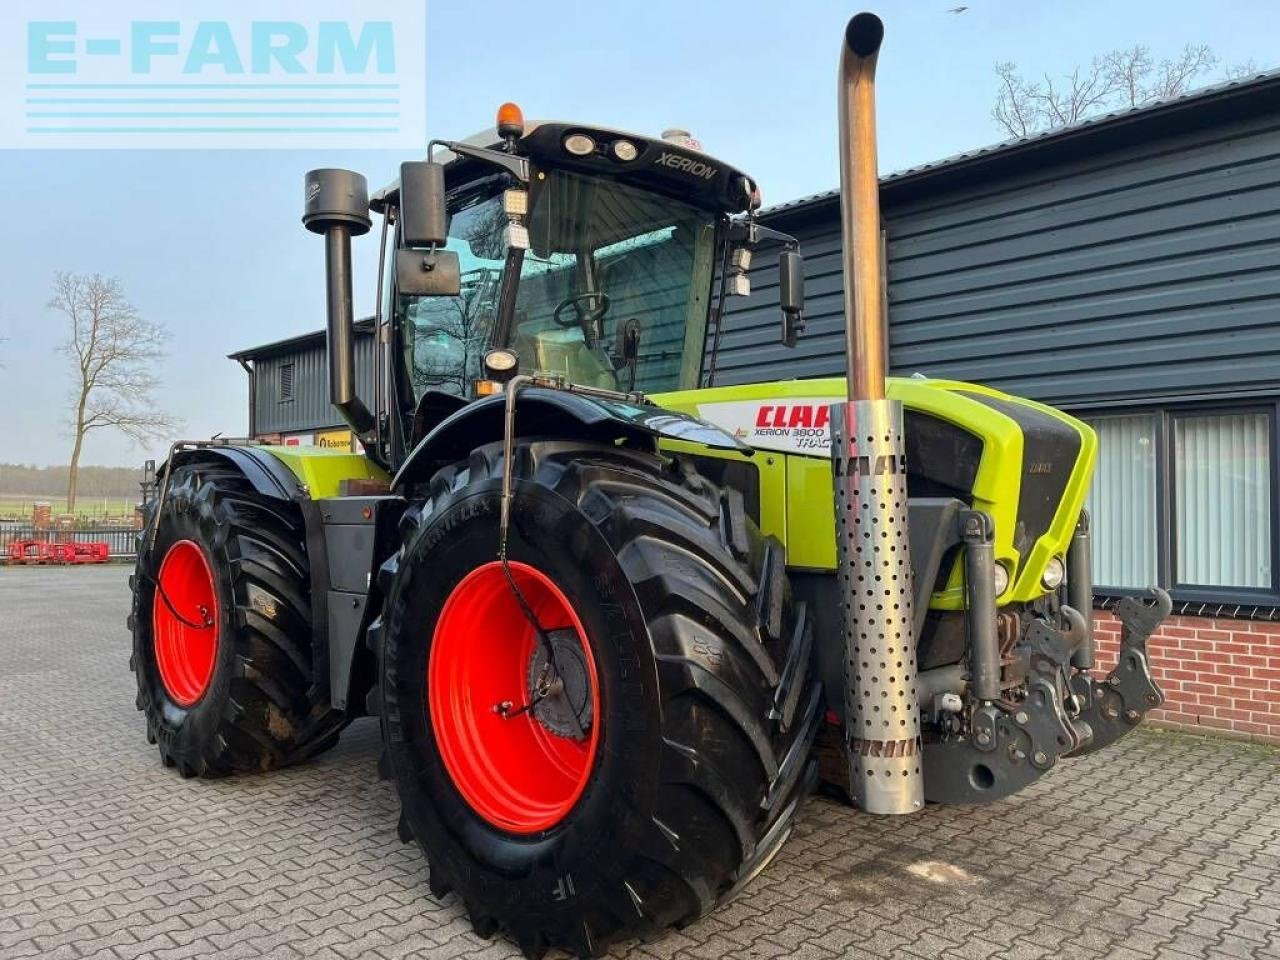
{"points": [[882, 719]]}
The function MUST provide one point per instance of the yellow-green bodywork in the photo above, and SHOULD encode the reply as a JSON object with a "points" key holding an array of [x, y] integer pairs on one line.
{"points": [[796, 498], [322, 471]]}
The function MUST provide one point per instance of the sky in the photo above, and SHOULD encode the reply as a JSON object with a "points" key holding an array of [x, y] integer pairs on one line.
{"points": [[210, 244]]}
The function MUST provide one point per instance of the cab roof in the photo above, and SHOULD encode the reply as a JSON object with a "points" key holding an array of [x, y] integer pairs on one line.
{"points": [[674, 169]]}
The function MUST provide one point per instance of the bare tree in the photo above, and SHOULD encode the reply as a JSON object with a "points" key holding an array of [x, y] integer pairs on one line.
{"points": [[1173, 77], [1121, 78], [1239, 71], [450, 335], [113, 352], [1016, 108], [1129, 69], [450, 332], [1077, 94]]}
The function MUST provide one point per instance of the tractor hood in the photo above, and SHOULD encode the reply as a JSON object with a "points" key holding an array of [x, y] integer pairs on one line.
{"points": [[1026, 464]]}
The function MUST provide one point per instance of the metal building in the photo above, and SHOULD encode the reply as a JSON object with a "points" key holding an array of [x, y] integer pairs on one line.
{"points": [[289, 388], [1124, 259], [1127, 268]]}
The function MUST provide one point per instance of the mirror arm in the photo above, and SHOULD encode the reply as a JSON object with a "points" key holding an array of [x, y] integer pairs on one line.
{"points": [[518, 167], [752, 231], [761, 232]]}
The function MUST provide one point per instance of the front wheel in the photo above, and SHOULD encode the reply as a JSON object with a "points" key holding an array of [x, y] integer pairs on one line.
{"points": [[655, 766]]}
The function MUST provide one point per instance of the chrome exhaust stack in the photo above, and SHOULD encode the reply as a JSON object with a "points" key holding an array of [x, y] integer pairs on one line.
{"points": [[881, 713]]}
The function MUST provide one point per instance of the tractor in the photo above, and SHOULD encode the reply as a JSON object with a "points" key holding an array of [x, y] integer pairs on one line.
{"points": [[616, 621]]}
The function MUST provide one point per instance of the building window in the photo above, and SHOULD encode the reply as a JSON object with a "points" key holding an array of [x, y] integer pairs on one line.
{"points": [[1186, 498], [1122, 502], [1222, 499], [286, 382]]}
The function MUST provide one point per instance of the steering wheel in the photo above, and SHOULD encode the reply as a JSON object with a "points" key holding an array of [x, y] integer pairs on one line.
{"points": [[596, 314]]}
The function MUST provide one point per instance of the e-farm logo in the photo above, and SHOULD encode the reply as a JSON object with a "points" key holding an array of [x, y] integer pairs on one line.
{"points": [[146, 74]]}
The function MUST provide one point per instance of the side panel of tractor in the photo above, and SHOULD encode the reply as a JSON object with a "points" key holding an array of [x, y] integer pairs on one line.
{"points": [[322, 471]]}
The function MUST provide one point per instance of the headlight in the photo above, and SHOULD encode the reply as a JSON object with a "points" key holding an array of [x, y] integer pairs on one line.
{"points": [[579, 144], [1001, 578], [1054, 572], [625, 150]]}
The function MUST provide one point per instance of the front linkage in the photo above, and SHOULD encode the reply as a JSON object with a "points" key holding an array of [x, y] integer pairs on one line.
{"points": [[1116, 705], [1047, 707]]}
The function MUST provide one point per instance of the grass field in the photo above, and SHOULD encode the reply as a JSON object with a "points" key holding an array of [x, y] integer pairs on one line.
{"points": [[18, 506]]}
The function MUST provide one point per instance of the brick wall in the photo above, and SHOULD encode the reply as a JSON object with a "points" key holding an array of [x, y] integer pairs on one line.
{"points": [[1218, 675]]}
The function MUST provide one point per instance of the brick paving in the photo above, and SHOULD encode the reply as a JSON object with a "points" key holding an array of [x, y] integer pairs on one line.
{"points": [[1165, 846]]}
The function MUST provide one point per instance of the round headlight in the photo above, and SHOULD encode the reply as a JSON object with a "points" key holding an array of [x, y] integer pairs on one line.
{"points": [[579, 144], [501, 364], [1054, 572], [625, 150], [1001, 578]]}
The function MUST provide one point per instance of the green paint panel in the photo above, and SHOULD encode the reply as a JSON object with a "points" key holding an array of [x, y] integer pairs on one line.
{"points": [[323, 470]]}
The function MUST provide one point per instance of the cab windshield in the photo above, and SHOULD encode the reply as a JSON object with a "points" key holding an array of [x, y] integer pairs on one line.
{"points": [[613, 291]]}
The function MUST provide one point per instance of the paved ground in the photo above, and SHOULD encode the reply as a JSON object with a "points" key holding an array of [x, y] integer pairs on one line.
{"points": [[1167, 846]]}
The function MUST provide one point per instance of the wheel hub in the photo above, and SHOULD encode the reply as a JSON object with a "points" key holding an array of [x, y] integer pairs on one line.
{"points": [[185, 623], [517, 735], [561, 691]]}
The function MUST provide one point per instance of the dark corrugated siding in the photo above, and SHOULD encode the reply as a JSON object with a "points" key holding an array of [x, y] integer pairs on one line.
{"points": [[1148, 272], [310, 408]]}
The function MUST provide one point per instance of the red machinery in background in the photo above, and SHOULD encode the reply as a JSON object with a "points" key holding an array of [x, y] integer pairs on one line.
{"points": [[44, 551]]}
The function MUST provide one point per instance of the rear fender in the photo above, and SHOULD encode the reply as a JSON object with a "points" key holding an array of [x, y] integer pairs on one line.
{"points": [[266, 473], [343, 545]]}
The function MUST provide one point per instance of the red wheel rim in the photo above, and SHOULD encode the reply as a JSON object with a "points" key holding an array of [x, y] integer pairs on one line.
{"points": [[512, 770], [185, 648]]}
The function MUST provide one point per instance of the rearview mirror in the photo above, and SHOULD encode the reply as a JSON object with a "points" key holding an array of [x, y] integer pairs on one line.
{"points": [[791, 295], [424, 218], [431, 274]]}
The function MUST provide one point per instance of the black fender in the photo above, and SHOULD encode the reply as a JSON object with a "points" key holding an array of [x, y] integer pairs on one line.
{"points": [[269, 476], [542, 411]]}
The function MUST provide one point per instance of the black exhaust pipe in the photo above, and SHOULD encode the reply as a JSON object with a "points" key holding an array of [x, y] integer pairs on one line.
{"points": [[337, 206]]}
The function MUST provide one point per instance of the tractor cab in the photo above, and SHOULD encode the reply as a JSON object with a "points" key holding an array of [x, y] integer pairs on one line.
{"points": [[588, 255]]}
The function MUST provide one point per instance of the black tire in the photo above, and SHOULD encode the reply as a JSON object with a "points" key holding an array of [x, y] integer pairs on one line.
{"points": [[260, 709], [708, 707]]}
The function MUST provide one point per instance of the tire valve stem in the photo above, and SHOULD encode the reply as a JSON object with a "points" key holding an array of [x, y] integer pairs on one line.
{"points": [[547, 685], [505, 711]]}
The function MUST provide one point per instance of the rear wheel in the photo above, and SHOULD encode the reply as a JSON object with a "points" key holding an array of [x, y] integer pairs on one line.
{"points": [[221, 623], [657, 765]]}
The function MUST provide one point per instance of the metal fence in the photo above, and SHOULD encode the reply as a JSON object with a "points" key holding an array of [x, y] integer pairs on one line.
{"points": [[121, 541]]}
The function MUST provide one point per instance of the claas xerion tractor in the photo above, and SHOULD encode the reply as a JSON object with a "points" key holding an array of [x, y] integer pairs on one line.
{"points": [[614, 620]]}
